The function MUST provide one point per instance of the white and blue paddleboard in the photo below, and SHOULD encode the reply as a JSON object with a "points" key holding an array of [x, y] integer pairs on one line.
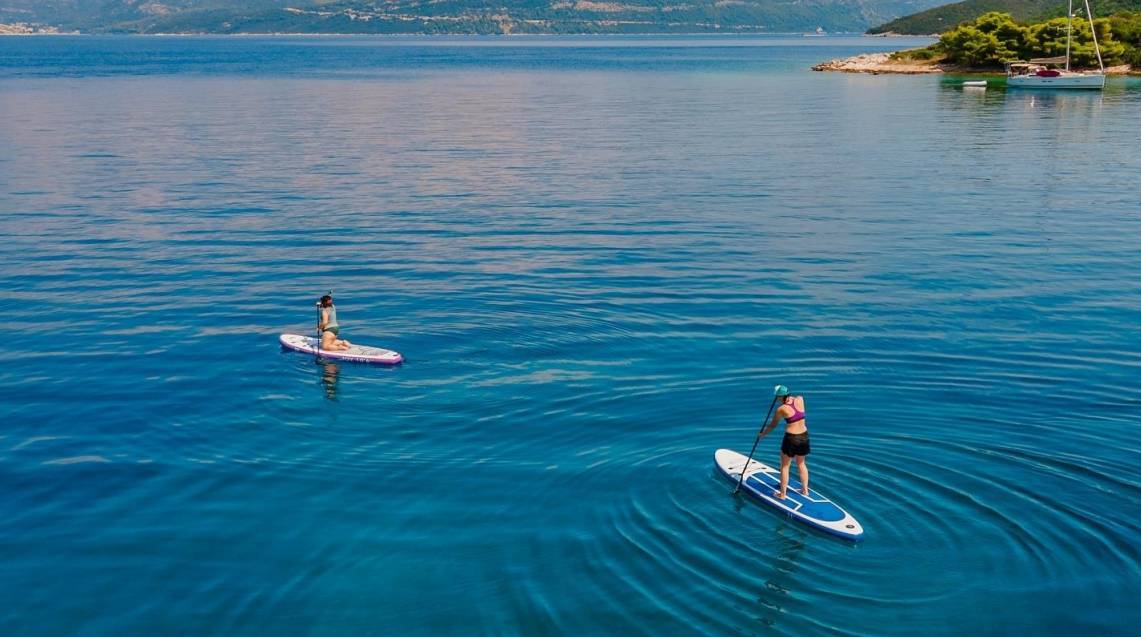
{"points": [[355, 353], [815, 510]]}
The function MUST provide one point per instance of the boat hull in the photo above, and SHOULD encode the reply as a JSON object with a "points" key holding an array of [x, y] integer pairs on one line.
{"points": [[1092, 81]]}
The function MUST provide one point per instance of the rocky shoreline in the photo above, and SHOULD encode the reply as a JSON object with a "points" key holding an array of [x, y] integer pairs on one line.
{"points": [[877, 63]]}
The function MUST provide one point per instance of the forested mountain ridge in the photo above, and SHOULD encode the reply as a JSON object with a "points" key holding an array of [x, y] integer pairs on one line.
{"points": [[456, 16], [946, 17]]}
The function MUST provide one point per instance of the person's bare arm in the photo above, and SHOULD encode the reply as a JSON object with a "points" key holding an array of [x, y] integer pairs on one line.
{"points": [[772, 424]]}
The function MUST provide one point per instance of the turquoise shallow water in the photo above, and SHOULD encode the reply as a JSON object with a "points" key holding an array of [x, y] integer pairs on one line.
{"points": [[597, 255]]}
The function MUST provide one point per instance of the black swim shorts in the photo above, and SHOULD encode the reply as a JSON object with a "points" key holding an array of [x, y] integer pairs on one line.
{"points": [[795, 445]]}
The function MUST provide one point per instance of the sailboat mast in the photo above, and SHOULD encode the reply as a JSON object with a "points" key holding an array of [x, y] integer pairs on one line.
{"points": [[1069, 31], [1093, 34]]}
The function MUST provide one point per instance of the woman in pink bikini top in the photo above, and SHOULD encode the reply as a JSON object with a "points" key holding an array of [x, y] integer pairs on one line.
{"points": [[795, 442]]}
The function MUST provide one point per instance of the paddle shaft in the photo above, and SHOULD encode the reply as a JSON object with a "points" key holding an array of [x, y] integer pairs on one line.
{"points": [[319, 334], [320, 315], [755, 442]]}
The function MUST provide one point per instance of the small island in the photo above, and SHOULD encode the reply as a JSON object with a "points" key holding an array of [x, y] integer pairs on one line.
{"points": [[983, 45]]}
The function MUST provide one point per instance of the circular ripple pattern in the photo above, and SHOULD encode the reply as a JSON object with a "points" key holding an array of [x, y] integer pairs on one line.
{"points": [[597, 255]]}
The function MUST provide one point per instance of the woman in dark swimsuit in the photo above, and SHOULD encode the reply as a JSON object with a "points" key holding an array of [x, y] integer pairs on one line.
{"points": [[328, 327], [795, 443]]}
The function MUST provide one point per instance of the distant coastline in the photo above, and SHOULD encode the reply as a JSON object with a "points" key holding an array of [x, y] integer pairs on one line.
{"points": [[20, 28], [343, 17]]}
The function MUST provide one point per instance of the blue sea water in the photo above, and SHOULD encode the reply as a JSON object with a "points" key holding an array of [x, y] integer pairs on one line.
{"points": [[598, 255]]}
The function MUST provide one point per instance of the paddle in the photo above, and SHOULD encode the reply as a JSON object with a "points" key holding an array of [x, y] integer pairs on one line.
{"points": [[764, 423], [318, 330]]}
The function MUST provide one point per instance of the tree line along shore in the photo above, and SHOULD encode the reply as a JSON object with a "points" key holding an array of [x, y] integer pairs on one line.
{"points": [[984, 44]]}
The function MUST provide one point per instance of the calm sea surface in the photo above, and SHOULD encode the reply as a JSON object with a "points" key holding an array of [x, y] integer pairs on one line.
{"points": [[598, 255]]}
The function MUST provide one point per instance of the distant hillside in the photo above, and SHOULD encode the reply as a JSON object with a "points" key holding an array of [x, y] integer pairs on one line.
{"points": [[946, 17], [456, 16], [1101, 8], [97, 15]]}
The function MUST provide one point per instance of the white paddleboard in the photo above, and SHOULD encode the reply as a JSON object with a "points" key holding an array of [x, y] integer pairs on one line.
{"points": [[761, 481], [356, 353]]}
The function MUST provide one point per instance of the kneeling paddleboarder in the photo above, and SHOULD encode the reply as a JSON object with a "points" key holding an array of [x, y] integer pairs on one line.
{"points": [[328, 327], [795, 443]]}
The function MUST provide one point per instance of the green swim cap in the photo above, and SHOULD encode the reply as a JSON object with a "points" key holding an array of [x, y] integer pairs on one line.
{"points": [[780, 391]]}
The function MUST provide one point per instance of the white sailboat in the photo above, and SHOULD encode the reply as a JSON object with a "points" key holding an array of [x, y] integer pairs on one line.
{"points": [[1038, 73]]}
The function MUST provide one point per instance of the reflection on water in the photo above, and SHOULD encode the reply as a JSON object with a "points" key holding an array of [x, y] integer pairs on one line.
{"points": [[781, 581], [1081, 103], [952, 94], [330, 376]]}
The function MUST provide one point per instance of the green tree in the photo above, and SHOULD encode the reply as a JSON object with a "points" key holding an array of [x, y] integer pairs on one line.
{"points": [[990, 40], [1013, 36], [967, 45], [1048, 39], [1126, 28], [994, 38]]}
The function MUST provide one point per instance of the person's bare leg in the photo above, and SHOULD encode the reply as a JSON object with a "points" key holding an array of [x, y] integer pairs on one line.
{"points": [[802, 465], [328, 341], [785, 461]]}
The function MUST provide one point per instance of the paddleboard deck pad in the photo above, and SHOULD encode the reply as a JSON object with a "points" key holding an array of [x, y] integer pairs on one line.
{"points": [[356, 353], [762, 482]]}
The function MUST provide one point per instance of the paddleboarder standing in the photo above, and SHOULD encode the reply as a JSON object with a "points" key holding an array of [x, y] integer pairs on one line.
{"points": [[795, 442]]}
